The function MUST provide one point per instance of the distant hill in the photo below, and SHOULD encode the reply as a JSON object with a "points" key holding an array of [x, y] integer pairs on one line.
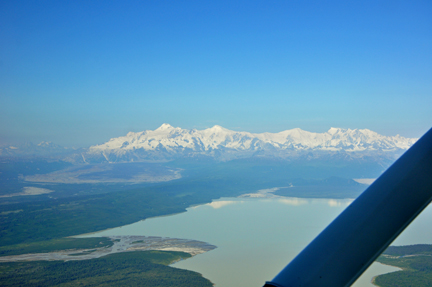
{"points": [[40, 150]]}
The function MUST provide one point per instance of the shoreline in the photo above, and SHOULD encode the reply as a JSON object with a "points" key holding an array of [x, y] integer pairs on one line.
{"points": [[373, 278]]}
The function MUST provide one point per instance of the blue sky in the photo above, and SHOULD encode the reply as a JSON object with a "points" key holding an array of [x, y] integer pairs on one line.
{"points": [[80, 72]]}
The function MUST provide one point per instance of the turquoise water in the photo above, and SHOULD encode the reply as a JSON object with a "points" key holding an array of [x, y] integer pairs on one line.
{"points": [[256, 237]]}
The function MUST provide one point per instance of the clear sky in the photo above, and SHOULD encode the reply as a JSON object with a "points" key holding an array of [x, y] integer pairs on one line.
{"points": [[80, 72]]}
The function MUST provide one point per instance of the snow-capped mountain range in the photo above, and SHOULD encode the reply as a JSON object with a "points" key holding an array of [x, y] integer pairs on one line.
{"points": [[167, 143]]}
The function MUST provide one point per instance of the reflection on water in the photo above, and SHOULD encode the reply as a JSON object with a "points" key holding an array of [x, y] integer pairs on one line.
{"points": [[293, 201], [256, 237], [330, 202], [219, 204]]}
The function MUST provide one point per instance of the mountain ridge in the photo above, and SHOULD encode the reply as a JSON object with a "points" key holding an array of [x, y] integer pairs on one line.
{"points": [[167, 142]]}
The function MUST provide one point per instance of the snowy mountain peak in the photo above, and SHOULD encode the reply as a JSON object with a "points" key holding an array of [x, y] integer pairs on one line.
{"points": [[165, 127], [333, 131], [218, 129]]}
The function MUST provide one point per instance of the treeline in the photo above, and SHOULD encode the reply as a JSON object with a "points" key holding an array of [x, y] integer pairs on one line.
{"points": [[408, 250], [140, 268]]}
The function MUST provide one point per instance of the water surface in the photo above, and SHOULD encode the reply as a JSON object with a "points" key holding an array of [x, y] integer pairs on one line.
{"points": [[257, 237]]}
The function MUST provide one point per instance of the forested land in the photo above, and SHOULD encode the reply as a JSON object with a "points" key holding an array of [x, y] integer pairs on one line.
{"points": [[55, 245], [415, 262], [139, 268], [67, 216]]}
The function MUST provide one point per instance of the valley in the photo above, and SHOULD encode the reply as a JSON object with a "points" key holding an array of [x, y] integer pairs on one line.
{"points": [[74, 199]]}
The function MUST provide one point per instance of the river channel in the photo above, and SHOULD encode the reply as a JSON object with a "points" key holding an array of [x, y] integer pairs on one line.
{"points": [[257, 237]]}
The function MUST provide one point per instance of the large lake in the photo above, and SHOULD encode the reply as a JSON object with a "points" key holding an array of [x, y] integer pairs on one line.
{"points": [[257, 237]]}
